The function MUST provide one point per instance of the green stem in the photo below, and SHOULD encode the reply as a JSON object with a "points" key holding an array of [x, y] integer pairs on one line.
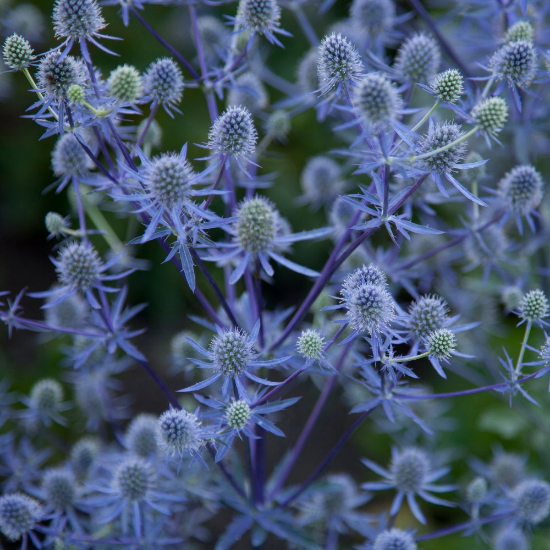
{"points": [[426, 116], [487, 88], [26, 72], [475, 191], [101, 223], [445, 147], [413, 358], [523, 346]]}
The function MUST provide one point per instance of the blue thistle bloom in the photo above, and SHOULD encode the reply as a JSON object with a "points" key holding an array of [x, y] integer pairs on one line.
{"points": [[260, 17], [531, 501], [19, 515], [45, 404], [521, 30], [84, 456], [448, 86], [335, 503], [418, 58], [131, 495], [163, 84], [444, 163], [394, 539], [231, 355], [521, 189], [377, 101], [80, 269], [70, 162], [321, 180], [339, 64], [125, 83], [238, 417], [534, 306], [17, 52], [140, 437], [411, 474], [233, 135], [258, 236], [248, 91], [490, 115], [516, 64], [181, 434], [372, 16]]}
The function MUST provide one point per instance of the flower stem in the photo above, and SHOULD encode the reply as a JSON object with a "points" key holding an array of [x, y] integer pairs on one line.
{"points": [[523, 346]]}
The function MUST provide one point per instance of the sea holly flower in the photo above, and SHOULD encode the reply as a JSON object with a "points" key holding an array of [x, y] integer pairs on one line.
{"points": [[239, 417], [411, 474], [231, 355], [260, 235]]}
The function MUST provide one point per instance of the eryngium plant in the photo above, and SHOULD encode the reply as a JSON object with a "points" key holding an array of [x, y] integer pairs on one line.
{"points": [[340, 175]]}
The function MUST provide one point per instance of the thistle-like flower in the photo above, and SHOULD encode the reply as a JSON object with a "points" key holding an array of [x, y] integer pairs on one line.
{"points": [[531, 501], [521, 190], [490, 115], [231, 355], [377, 101], [448, 86], [374, 17], [418, 58], [17, 52], [533, 307], [260, 17], [411, 473], [321, 180], [394, 539], [19, 514], [125, 83], [515, 63], [163, 84], [338, 64]]}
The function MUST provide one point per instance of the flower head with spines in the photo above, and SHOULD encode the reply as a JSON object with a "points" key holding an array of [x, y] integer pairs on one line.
{"points": [[321, 180], [377, 101], [238, 417], [441, 343], [74, 19], [45, 404], [394, 539], [57, 73], [125, 83], [17, 52], [411, 473], [233, 134], [442, 151], [260, 17], [180, 433], [232, 355], [19, 514], [418, 58], [260, 234], [427, 314], [448, 86], [531, 501], [141, 436], [522, 30], [70, 161], [59, 488], [163, 84], [521, 189], [534, 306], [375, 17], [515, 63], [339, 64], [490, 115], [369, 305], [83, 456]]}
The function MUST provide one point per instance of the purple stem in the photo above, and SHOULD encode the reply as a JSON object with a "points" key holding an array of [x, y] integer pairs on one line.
{"points": [[278, 388], [168, 46], [327, 460], [311, 421], [216, 184], [334, 262], [214, 285], [460, 527], [154, 109], [305, 25], [501, 385]]}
